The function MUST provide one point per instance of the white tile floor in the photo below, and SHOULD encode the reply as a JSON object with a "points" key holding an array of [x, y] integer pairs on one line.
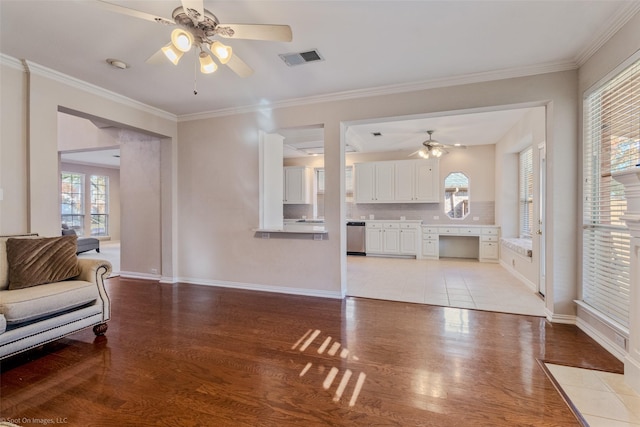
{"points": [[445, 282], [109, 250], [602, 398]]}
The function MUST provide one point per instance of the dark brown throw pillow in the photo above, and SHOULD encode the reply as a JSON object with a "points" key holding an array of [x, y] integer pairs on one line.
{"points": [[42, 260]]}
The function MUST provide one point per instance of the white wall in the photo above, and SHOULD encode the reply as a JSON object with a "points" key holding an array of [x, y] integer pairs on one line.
{"points": [[32, 163], [218, 197], [13, 148]]}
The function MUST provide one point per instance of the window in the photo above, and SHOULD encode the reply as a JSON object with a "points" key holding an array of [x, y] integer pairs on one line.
{"points": [[526, 192], [99, 205], [72, 201], [611, 143]]}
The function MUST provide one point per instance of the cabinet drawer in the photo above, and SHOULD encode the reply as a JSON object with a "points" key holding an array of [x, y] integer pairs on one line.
{"points": [[410, 226], [469, 231], [429, 236], [374, 225], [430, 230], [490, 231], [390, 225], [486, 238], [448, 230]]}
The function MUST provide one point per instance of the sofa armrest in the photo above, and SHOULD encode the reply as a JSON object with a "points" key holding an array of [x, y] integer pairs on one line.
{"points": [[96, 271]]}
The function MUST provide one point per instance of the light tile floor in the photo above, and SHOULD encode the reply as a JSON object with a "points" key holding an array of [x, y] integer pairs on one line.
{"points": [[110, 251], [602, 398], [445, 282]]}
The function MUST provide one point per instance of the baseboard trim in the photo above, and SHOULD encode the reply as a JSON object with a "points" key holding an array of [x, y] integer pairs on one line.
{"points": [[263, 288], [519, 276], [598, 337], [567, 319], [134, 275]]}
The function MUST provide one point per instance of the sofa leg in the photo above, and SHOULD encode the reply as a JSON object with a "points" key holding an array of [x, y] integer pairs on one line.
{"points": [[100, 329]]}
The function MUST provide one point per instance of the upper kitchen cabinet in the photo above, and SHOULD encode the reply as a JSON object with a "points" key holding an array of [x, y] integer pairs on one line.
{"points": [[417, 181], [298, 182], [374, 182], [400, 181]]}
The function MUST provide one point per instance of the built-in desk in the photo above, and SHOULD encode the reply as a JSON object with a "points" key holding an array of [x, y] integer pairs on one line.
{"points": [[480, 242]]}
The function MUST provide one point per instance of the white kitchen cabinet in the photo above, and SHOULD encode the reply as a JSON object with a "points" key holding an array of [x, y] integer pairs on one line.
{"points": [[409, 238], [489, 244], [430, 243], [392, 238], [487, 238], [417, 181], [384, 178], [373, 240], [364, 182], [398, 181], [427, 181], [374, 182], [297, 185]]}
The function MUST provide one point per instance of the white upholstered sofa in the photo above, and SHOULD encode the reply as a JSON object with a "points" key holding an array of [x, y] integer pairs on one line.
{"points": [[34, 315]]}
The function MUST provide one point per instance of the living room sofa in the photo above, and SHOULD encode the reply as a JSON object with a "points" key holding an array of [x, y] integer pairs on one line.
{"points": [[35, 314]]}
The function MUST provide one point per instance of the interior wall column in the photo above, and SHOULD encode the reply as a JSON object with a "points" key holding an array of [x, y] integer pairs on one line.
{"points": [[631, 181]]}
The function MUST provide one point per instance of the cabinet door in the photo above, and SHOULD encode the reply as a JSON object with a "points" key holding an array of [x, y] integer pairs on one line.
{"points": [[297, 182], [364, 182], [384, 179], [427, 181], [489, 251], [409, 241], [391, 241], [404, 182], [430, 248], [373, 240], [293, 185]]}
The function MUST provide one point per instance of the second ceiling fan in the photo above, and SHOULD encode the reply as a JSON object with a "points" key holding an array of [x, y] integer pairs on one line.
{"points": [[433, 149]]}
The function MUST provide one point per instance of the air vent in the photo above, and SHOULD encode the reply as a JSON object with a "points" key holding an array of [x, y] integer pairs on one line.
{"points": [[292, 59]]}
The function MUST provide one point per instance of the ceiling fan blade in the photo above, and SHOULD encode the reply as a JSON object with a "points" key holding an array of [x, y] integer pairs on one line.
{"points": [[197, 6], [157, 58], [239, 67], [277, 33], [133, 12]]}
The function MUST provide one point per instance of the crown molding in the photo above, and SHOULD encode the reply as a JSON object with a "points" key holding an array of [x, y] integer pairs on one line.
{"points": [[389, 90], [11, 62], [49, 73], [609, 29]]}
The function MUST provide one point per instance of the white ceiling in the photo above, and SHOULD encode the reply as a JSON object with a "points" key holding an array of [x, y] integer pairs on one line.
{"points": [[367, 46]]}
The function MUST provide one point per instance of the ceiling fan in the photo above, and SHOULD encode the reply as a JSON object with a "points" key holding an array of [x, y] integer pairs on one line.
{"points": [[197, 29], [433, 148]]}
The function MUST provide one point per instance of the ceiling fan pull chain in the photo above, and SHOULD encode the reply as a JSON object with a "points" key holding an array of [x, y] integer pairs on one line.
{"points": [[195, 76]]}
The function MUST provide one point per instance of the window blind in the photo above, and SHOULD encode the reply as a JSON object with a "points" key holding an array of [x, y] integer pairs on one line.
{"points": [[611, 143], [526, 191]]}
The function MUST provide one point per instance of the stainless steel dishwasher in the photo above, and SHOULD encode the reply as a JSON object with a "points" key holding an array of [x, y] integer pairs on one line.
{"points": [[356, 243]]}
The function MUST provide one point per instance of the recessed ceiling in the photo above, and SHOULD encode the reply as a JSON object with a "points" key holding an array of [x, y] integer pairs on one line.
{"points": [[364, 44]]}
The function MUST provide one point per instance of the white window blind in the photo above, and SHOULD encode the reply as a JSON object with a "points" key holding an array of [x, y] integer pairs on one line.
{"points": [[611, 143], [526, 191]]}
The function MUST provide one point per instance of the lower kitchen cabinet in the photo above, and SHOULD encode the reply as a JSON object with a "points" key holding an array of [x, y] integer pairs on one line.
{"points": [[489, 250], [392, 238]]}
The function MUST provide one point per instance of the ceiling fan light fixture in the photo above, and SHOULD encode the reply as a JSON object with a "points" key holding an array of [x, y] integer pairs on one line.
{"points": [[221, 51], [181, 39], [172, 53], [207, 66]]}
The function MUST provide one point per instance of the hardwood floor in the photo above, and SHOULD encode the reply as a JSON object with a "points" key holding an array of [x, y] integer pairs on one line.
{"points": [[187, 355]]}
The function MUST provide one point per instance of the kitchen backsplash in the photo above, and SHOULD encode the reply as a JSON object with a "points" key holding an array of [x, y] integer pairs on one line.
{"points": [[484, 211]]}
